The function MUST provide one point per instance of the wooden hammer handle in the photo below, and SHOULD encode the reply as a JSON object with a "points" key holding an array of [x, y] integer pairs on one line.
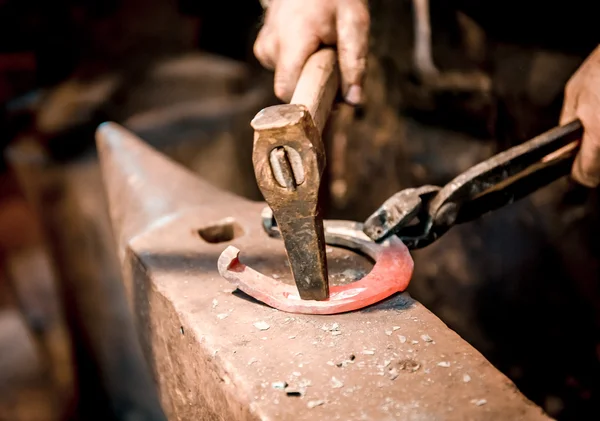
{"points": [[318, 85]]}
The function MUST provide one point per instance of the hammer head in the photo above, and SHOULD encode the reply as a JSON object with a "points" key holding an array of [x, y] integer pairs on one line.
{"points": [[287, 133], [289, 159]]}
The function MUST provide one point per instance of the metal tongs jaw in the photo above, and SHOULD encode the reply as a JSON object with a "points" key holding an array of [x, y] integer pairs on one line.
{"points": [[419, 216], [405, 215]]}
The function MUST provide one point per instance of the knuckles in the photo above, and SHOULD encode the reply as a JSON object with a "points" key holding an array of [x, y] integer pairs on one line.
{"points": [[282, 89], [362, 17], [265, 48]]}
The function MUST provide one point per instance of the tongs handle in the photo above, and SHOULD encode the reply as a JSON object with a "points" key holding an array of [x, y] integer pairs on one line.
{"points": [[508, 176]]}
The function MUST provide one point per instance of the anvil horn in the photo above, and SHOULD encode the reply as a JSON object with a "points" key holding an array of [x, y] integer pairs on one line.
{"points": [[143, 185]]}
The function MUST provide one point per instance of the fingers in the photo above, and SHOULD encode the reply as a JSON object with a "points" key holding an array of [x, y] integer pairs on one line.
{"points": [[569, 109], [353, 23], [266, 48], [586, 169], [295, 50], [582, 101]]}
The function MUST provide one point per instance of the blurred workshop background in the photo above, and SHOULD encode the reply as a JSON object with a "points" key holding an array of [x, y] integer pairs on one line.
{"points": [[521, 285]]}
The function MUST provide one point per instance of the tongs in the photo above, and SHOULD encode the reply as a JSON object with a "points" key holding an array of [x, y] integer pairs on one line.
{"points": [[421, 215]]}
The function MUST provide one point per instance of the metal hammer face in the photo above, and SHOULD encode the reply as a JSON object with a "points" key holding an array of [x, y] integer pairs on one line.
{"points": [[289, 159]]}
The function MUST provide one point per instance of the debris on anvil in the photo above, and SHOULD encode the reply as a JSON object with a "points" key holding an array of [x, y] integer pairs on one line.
{"points": [[466, 378], [426, 338], [403, 365], [393, 373], [479, 402], [344, 363], [222, 316], [445, 364], [402, 339], [409, 365], [299, 388], [383, 366], [368, 352], [262, 325], [315, 403], [333, 328], [279, 385], [351, 275], [336, 383], [293, 392], [304, 383]]}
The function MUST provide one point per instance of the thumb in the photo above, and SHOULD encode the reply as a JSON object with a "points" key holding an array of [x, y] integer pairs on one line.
{"points": [[569, 108], [353, 23], [586, 168]]}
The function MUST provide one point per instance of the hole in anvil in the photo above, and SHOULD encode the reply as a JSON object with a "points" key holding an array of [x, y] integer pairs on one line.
{"points": [[221, 232]]}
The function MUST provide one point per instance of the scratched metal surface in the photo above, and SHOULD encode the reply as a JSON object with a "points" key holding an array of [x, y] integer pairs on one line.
{"points": [[219, 355]]}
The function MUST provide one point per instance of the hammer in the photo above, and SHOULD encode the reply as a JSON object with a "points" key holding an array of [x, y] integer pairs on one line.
{"points": [[289, 159]]}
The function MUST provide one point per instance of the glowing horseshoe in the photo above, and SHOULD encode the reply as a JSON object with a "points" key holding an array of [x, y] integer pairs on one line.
{"points": [[391, 274]]}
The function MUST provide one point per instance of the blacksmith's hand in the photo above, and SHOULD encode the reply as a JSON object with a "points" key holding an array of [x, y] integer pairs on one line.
{"points": [[582, 101], [295, 29]]}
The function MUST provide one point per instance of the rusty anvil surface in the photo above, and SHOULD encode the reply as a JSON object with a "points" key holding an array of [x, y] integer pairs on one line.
{"points": [[216, 354]]}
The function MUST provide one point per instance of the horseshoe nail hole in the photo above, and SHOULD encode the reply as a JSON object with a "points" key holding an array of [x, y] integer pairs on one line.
{"points": [[221, 232]]}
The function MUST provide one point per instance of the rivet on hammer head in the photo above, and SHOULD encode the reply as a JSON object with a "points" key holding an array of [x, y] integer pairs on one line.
{"points": [[287, 168]]}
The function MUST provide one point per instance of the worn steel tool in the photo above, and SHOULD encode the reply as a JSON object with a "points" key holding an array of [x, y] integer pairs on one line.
{"points": [[419, 216], [289, 159]]}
